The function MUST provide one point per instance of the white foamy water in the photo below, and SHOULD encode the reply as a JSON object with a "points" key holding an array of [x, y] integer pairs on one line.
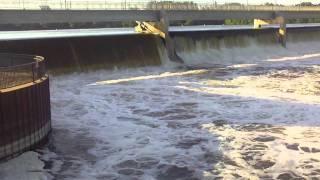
{"points": [[259, 119], [27, 167]]}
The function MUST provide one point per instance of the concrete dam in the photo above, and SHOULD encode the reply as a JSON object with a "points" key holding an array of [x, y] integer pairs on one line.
{"points": [[197, 47], [241, 105]]}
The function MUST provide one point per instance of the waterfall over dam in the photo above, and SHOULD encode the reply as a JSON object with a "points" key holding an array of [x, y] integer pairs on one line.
{"points": [[136, 50]]}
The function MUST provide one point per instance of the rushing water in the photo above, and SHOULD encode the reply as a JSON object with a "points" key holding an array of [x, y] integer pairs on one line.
{"points": [[253, 118]]}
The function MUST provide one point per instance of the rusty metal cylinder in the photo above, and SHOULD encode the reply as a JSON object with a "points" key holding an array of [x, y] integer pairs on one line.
{"points": [[25, 117]]}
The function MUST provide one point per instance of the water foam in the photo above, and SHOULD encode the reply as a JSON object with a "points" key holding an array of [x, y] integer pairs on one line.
{"points": [[153, 123]]}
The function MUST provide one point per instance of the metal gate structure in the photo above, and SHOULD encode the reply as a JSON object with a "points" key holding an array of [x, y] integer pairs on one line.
{"points": [[25, 116]]}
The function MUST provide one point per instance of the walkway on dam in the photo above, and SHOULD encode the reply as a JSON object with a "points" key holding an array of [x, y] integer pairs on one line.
{"points": [[69, 33]]}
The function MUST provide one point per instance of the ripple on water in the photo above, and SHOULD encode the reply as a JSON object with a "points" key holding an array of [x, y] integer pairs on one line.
{"points": [[258, 149], [173, 172], [227, 124]]}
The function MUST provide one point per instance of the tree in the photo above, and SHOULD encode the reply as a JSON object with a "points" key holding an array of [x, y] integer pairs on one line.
{"points": [[269, 4], [234, 4], [172, 5], [305, 4]]}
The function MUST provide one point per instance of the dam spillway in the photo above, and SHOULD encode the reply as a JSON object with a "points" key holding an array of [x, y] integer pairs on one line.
{"points": [[244, 107], [116, 47]]}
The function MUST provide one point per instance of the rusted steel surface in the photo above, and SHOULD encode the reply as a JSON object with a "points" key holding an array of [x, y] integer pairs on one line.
{"points": [[25, 117], [18, 69]]}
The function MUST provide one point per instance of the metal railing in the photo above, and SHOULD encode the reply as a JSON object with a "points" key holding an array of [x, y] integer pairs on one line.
{"points": [[140, 5], [16, 69]]}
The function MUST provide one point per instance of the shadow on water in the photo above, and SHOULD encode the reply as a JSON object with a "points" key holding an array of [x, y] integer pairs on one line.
{"points": [[70, 153]]}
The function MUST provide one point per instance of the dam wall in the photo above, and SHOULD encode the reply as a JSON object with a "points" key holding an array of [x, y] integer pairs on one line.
{"points": [[223, 48], [195, 48], [82, 54]]}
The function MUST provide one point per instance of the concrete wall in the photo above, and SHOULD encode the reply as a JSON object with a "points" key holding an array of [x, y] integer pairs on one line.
{"points": [[96, 16]]}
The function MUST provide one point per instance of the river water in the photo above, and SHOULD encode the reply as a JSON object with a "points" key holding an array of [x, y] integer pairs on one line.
{"points": [[254, 118]]}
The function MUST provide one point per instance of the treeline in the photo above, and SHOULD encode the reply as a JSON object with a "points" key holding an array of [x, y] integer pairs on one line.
{"points": [[172, 5], [193, 5], [250, 22], [294, 21], [307, 4], [238, 22]]}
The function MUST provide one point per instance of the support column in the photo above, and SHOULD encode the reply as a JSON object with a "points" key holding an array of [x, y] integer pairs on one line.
{"points": [[162, 29], [282, 34], [165, 23]]}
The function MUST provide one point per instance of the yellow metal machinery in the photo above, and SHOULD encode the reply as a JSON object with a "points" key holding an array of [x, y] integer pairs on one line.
{"points": [[282, 33], [149, 28]]}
